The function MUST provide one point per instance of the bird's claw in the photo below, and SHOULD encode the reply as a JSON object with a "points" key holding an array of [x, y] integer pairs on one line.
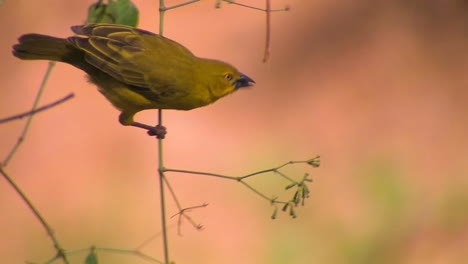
{"points": [[158, 131]]}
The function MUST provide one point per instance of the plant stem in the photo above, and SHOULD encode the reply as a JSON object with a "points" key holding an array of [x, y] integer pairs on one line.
{"points": [[180, 5], [160, 156], [266, 55], [50, 232], [135, 252], [28, 122], [256, 8], [203, 173], [162, 11], [162, 196], [37, 110]]}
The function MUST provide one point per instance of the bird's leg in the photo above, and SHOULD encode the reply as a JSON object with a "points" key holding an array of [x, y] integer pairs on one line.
{"points": [[158, 131], [126, 119]]}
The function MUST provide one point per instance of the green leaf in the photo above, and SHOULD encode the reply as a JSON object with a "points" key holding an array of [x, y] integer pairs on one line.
{"points": [[296, 198], [292, 212], [124, 12], [314, 162], [305, 191], [291, 185], [91, 258], [121, 12], [275, 212], [97, 13]]}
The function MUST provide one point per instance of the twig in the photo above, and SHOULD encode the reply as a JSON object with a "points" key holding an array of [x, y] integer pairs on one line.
{"points": [[178, 5], [256, 8], [266, 56], [300, 185], [130, 251], [50, 232], [153, 237], [238, 178], [268, 11], [161, 192], [162, 11], [182, 211], [116, 250], [28, 122], [37, 110]]}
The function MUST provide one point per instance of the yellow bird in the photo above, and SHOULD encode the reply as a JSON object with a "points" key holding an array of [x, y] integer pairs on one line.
{"points": [[136, 69]]}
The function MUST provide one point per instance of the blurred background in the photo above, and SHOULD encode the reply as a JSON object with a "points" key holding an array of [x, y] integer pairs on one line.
{"points": [[377, 88]]}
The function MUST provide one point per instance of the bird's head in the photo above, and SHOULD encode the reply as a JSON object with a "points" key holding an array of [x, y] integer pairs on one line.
{"points": [[224, 79]]}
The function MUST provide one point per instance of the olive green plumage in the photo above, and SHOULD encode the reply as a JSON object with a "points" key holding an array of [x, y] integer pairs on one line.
{"points": [[136, 69]]}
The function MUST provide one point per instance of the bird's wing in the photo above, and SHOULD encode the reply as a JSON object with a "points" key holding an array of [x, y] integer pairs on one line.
{"points": [[128, 54]]}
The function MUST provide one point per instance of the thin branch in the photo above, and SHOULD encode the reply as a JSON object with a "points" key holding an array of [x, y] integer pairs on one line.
{"points": [[45, 225], [147, 241], [116, 250], [266, 55], [174, 197], [202, 173], [257, 8], [267, 10], [274, 169], [182, 211], [37, 110], [131, 252], [28, 122], [178, 5], [150, 239], [238, 178], [299, 195], [190, 208], [259, 193], [162, 11], [161, 175], [162, 195], [284, 176]]}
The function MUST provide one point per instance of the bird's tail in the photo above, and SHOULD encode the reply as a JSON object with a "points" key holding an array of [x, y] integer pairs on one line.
{"points": [[42, 47]]}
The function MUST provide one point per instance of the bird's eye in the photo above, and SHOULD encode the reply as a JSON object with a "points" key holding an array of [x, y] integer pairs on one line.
{"points": [[228, 76]]}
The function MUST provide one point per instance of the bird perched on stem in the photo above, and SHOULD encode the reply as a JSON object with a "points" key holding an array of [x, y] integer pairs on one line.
{"points": [[136, 69]]}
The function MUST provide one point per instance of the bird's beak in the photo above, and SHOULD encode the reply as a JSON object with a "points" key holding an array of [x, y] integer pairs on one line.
{"points": [[243, 81]]}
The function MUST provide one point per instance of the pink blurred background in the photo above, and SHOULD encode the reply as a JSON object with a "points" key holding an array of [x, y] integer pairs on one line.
{"points": [[377, 88]]}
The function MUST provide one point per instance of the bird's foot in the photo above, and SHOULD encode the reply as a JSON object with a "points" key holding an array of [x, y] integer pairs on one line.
{"points": [[158, 131]]}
